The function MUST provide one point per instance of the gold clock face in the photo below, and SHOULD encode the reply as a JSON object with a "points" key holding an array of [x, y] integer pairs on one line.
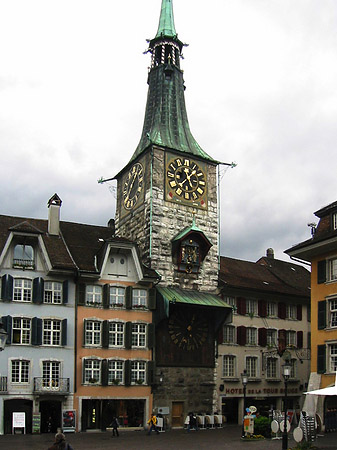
{"points": [[188, 330], [132, 186], [186, 181]]}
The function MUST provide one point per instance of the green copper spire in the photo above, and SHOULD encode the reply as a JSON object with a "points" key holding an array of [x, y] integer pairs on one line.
{"points": [[166, 22]]}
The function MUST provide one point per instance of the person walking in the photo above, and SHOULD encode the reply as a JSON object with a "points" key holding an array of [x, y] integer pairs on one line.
{"points": [[153, 424], [60, 443], [115, 425]]}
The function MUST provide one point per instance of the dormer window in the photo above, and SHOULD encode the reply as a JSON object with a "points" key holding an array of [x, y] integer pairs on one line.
{"points": [[23, 256], [334, 221]]}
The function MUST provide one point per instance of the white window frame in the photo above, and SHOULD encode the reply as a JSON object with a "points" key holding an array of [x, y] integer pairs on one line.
{"points": [[272, 367], [293, 370], [271, 309], [138, 335], [139, 298], [116, 296], [251, 307], [93, 333], [22, 327], [22, 290], [333, 313], [251, 336], [51, 374], [231, 301], [332, 269], [138, 372], [334, 221], [115, 371], [291, 312], [92, 369], [93, 295], [252, 366], [116, 334], [52, 332], [22, 257], [291, 338], [53, 292], [332, 352], [229, 366], [271, 337], [22, 369], [228, 334]]}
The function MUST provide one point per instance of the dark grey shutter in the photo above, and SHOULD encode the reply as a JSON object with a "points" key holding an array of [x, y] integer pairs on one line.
{"points": [[105, 334], [81, 294], [152, 298], [282, 310], [64, 332], [106, 296], [262, 334], [299, 312], [150, 335], [321, 318], [38, 288], [321, 359], [105, 372], [150, 372], [321, 272], [127, 372], [7, 324], [36, 331], [241, 335], [128, 297], [7, 287], [84, 328], [65, 292], [128, 335], [299, 339]]}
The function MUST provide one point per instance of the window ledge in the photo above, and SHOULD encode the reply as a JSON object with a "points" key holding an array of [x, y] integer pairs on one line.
{"points": [[273, 380], [230, 379], [254, 380]]}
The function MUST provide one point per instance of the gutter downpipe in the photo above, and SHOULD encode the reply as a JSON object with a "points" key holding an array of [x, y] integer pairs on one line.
{"points": [[151, 206], [219, 218]]}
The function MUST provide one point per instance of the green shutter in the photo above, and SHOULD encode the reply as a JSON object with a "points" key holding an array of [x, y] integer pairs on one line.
{"points": [[7, 288], [105, 334], [84, 326], [321, 322], [105, 372], [128, 297], [7, 324], [150, 335], [152, 298], [65, 292], [150, 373], [127, 372], [106, 296], [128, 335], [64, 332], [81, 294], [36, 331], [321, 272], [321, 359], [38, 289]]}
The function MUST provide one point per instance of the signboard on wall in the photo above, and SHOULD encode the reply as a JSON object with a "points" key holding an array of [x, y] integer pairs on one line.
{"points": [[36, 425], [69, 421], [19, 421]]}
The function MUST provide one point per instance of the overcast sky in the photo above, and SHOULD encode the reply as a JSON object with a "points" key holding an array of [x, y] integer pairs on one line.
{"points": [[261, 91]]}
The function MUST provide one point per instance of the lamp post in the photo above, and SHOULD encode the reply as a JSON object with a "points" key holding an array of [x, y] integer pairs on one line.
{"points": [[286, 371], [244, 379]]}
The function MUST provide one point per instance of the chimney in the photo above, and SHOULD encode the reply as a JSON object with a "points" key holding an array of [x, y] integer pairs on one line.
{"points": [[54, 205], [270, 253], [111, 224]]}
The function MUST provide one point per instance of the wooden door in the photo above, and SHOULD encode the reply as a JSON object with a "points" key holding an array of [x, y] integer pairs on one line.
{"points": [[177, 414]]}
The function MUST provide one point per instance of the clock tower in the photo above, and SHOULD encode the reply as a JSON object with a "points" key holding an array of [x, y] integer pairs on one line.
{"points": [[167, 203]]}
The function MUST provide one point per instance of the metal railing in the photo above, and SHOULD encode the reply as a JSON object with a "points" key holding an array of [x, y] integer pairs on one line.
{"points": [[51, 385]]}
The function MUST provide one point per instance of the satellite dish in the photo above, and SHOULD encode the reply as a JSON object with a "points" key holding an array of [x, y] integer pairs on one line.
{"points": [[282, 426], [298, 434], [274, 426]]}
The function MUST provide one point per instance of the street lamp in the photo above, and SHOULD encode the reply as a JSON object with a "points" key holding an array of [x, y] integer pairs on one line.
{"points": [[3, 336], [244, 379], [286, 371]]}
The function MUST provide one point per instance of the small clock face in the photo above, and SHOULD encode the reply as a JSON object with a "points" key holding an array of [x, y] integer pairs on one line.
{"points": [[188, 330], [132, 186], [186, 181]]}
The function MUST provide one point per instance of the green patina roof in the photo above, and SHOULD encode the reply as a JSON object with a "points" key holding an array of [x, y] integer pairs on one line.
{"points": [[173, 295], [188, 230], [166, 22]]}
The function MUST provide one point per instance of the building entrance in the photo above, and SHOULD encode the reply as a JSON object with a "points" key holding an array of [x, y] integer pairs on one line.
{"points": [[51, 411], [18, 405], [177, 414]]}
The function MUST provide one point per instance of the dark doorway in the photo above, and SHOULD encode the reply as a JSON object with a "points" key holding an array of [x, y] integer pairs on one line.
{"points": [[18, 405], [50, 415], [230, 409], [91, 415]]}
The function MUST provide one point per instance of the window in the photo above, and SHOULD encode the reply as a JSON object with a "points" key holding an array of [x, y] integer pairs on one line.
{"points": [[271, 309], [291, 338], [52, 292], [271, 367], [333, 313], [23, 256], [228, 368], [117, 296], [251, 307], [20, 371], [251, 336], [92, 370], [116, 334], [231, 301], [138, 335], [21, 330], [138, 369], [332, 269], [93, 330], [333, 357], [271, 338], [51, 374], [334, 221], [293, 368], [251, 366], [116, 370], [51, 333], [229, 334], [22, 290], [93, 295], [139, 298], [291, 312]]}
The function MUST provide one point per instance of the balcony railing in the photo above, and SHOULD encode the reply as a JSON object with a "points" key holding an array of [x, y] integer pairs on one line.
{"points": [[51, 386], [23, 264], [3, 385]]}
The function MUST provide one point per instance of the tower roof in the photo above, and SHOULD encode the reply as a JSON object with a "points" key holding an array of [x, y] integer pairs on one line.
{"points": [[166, 21]]}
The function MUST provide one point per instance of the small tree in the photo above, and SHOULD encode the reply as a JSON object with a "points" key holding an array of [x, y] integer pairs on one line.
{"points": [[262, 426]]}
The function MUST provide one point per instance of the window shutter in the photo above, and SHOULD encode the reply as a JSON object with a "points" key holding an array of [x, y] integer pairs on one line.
{"points": [[7, 287], [262, 308], [127, 372], [7, 324], [128, 334], [300, 339], [321, 272], [152, 298], [321, 319], [321, 359], [299, 312], [64, 332], [83, 370], [151, 367], [128, 297], [104, 372], [281, 341], [36, 331], [241, 335], [105, 334], [106, 296], [262, 332], [220, 334], [282, 310], [65, 292], [241, 304], [150, 335], [84, 328], [81, 294], [38, 285]]}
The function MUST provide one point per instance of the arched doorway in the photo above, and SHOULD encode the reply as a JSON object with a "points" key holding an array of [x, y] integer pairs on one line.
{"points": [[51, 415], [17, 405]]}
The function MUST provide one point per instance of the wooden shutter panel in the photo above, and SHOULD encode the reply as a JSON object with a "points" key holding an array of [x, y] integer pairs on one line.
{"points": [[241, 335], [150, 335], [64, 332], [65, 291], [128, 297], [38, 288], [81, 294], [300, 339], [321, 272], [128, 335], [36, 331], [105, 334], [127, 372], [220, 334], [7, 324], [84, 328], [321, 359], [282, 341], [282, 310], [7, 287], [262, 308], [106, 296], [105, 372], [152, 298], [262, 333], [321, 318], [299, 312], [241, 304], [150, 372]]}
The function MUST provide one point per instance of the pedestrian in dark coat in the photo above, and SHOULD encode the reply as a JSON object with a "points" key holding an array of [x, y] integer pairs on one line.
{"points": [[60, 443], [115, 425]]}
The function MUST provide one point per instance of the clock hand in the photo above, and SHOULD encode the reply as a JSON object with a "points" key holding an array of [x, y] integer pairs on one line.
{"points": [[131, 186]]}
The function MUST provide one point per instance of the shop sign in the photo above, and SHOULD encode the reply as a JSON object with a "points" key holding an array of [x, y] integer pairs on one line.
{"points": [[261, 391]]}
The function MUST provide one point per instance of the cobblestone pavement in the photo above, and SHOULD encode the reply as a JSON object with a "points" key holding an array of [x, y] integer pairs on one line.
{"points": [[227, 438]]}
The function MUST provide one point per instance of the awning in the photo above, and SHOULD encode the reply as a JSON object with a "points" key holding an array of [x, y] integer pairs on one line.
{"points": [[197, 298], [332, 390]]}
